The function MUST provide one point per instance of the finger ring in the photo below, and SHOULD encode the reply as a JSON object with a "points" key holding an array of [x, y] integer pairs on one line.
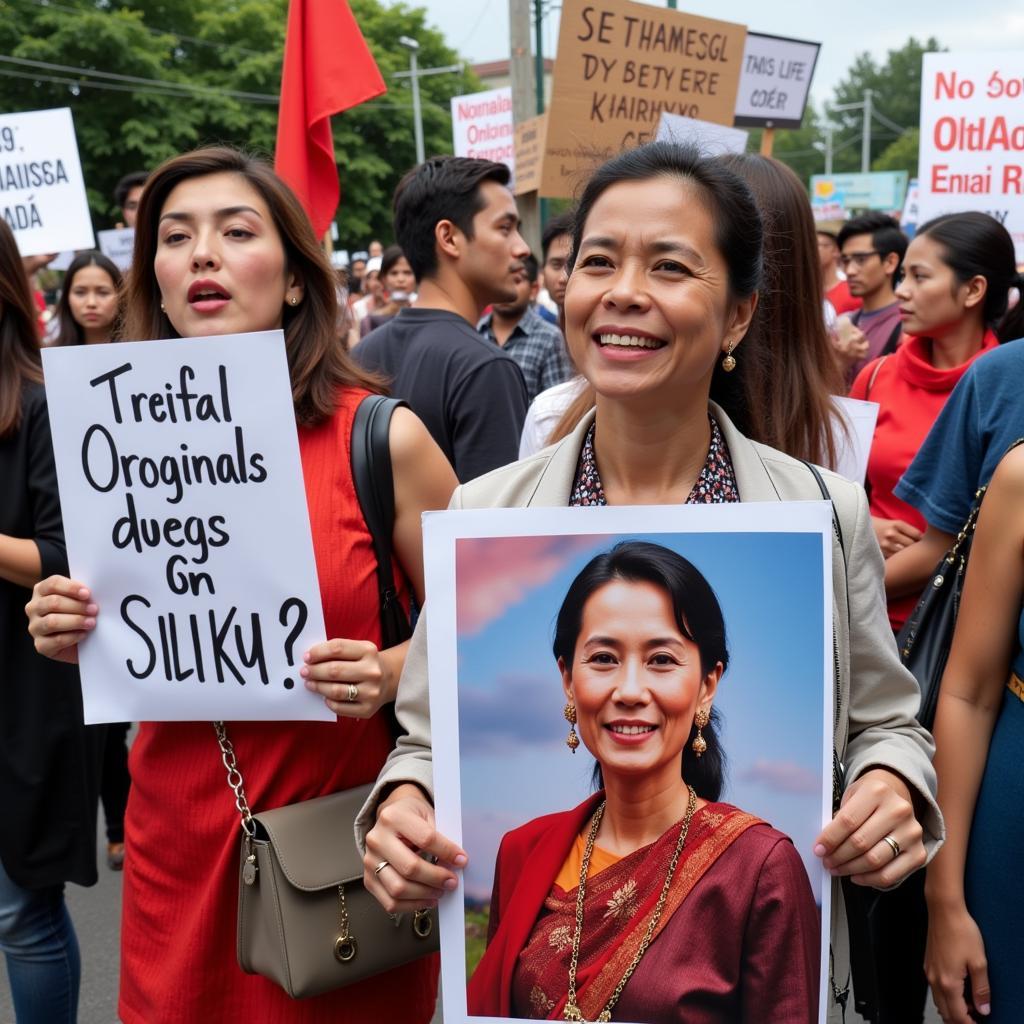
{"points": [[353, 693], [893, 845], [380, 867]]}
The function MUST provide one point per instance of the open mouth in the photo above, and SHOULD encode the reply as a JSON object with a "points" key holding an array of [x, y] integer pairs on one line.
{"points": [[628, 341], [630, 730], [207, 291]]}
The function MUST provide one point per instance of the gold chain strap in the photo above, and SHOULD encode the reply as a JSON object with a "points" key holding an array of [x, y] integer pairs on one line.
{"points": [[572, 1011], [227, 755]]}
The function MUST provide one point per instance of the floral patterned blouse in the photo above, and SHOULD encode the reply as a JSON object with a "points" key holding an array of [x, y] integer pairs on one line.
{"points": [[716, 483]]}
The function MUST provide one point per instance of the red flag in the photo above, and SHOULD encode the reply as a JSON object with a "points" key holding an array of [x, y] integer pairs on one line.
{"points": [[327, 68]]}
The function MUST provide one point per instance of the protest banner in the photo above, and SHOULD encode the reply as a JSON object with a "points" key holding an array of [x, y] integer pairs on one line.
{"points": [[709, 138], [185, 515], [775, 81], [498, 580], [834, 196], [619, 66], [853, 445], [118, 243], [972, 137], [482, 126], [42, 192], [529, 153], [911, 215]]}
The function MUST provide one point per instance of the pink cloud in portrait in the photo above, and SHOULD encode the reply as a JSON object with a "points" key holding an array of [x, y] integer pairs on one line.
{"points": [[784, 776], [495, 573]]}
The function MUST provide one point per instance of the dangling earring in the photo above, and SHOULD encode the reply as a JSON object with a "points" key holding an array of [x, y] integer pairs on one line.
{"points": [[700, 720], [729, 362], [572, 741]]}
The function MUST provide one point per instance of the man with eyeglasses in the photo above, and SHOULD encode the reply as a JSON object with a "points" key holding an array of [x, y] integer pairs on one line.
{"points": [[871, 248]]}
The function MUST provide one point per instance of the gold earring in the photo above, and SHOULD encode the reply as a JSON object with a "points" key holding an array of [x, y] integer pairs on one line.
{"points": [[294, 300], [572, 741], [729, 362], [700, 720]]}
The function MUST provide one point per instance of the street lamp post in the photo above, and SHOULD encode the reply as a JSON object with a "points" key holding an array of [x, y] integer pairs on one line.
{"points": [[413, 47]]}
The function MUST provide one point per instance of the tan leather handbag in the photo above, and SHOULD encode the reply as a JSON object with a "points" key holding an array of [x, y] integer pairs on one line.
{"points": [[305, 919]]}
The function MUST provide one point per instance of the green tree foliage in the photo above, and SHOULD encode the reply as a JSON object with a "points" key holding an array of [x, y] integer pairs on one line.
{"points": [[151, 78], [901, 154]]}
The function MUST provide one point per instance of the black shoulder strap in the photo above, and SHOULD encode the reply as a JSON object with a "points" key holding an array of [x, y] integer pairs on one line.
{"points": [[893, 340], [827, 495], [375, 489]]}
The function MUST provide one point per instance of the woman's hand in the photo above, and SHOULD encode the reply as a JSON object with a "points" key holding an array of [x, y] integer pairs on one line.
{"points": [[352, 676], [61, 615], [894, 534], [393, 870], [956, 952], [878, 805]]}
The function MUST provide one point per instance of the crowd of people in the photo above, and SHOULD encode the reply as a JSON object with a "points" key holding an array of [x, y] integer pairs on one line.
{"points": [[682, 336]]}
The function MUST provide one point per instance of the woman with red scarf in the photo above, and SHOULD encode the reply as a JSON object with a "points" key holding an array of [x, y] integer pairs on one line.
{"points": [[652, 900]]}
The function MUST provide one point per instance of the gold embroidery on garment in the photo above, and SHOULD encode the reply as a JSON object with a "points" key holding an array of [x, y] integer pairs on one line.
{"points": [[560, 938], [713, 818], [540, 1002], [624, 902]]}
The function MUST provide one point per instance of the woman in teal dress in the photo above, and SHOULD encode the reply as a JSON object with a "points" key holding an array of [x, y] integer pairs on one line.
{"points": [[974, 889]]}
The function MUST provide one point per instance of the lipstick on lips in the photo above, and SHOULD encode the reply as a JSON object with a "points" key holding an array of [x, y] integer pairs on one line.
{"points": [[629, 732], [206, 296]]}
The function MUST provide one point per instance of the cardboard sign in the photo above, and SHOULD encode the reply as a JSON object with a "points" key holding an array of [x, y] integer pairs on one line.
{"points": [[972, 137], [911, 216], [42, 192], [185, 514], [482, 126], [529, 153], [853, 444], [118, 244], [620, 65], [775, 81], [710, 138]]}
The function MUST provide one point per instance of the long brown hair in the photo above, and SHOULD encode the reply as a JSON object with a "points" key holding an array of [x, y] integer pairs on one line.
{"points": [[317, 363], [69, 330], [20, 362]]}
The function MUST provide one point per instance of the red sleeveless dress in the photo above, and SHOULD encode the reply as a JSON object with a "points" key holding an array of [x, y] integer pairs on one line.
{"points": [[178, 961]]}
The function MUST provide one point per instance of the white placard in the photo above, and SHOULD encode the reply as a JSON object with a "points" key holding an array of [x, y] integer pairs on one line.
{"points": [[972, 137], [775, 81], [117, 244], [42, 192], [712, 139], [499, 756], [185, 514], [853, 444], [482, 126], [62, 260]]}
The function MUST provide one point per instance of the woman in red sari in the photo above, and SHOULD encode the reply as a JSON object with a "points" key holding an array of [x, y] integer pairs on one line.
{"points": [[651, 901]]}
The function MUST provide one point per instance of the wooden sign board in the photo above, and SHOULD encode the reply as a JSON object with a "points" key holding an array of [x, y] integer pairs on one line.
{"points": [[620, 65], [529, 153]]}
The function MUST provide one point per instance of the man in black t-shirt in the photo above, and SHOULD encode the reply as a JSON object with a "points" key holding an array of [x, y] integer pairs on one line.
{"points": [[457, 224]]}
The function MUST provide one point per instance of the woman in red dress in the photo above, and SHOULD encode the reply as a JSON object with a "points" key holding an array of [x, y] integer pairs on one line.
{"points": [[596, 911], [223, 247]]}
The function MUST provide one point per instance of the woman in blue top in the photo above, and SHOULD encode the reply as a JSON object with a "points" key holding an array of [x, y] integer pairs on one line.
{"points": [[975, 898]]}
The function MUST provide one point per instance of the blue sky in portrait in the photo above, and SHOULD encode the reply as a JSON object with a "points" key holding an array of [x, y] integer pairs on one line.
{"points": [[514, 761]]}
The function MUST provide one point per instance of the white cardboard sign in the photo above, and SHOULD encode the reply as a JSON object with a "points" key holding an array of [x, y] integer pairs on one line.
{"points": [[42, 191], [118, 243], [712, 139], [972, 137], [854, 443], [775, 81], [185, 514], [482, 126]]}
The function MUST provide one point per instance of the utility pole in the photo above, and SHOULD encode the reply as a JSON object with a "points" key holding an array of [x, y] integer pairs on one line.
{"points": [[524, 106], [865, 142], [866, 105], [829, 131], [413, 47]]}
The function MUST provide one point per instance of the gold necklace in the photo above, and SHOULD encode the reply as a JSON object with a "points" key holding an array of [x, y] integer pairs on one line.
{"points": [[572, 1011]]}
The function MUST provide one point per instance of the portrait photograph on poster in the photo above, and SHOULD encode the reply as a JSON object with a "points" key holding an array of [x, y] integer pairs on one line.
{"points": [[632, 728]]}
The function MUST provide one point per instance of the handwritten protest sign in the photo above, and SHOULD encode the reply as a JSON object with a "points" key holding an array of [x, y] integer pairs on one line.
{"points": [[118, 244], [482, 126], [42, 192], [712, 139], [775, 81], [972, 137], [529, 153], [619, 66], [185, 514]]}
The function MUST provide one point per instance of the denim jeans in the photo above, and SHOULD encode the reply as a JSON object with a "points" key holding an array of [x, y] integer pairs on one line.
{"points": [[39, 943]]}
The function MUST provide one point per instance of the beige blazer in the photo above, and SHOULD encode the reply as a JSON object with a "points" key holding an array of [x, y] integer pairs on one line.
{"points": [[876, 697]]}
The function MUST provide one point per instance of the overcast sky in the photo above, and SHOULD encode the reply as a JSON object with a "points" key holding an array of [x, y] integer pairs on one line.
{"points": [[479, 31]]}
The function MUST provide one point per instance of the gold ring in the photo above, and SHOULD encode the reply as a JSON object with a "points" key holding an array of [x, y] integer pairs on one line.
{"points": [[380, 867], [893, 845], [353, 693]]}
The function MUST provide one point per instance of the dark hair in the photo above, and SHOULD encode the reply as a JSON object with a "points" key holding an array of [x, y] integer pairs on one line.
{"points": [[441, 188], [392, 254], [532, 267], [977, 245], [738, 235], [830, 235], [69, 330], [698, 616], [789, 399], [20, 362], [555, 228], [886, 237], [133, 180], [317, 364]]}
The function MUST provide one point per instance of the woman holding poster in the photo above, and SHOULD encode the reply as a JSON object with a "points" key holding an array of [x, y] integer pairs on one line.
{"points": [[49, 761], [640, 643], [222, 246], [668, 254]]}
